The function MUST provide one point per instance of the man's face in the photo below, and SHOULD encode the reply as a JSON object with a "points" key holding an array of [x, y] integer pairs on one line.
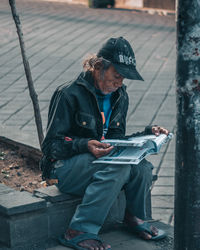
{"points": [[110, 81]]}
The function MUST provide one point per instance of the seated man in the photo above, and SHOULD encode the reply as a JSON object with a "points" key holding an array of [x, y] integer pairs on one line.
{"points": [[81, 113]]}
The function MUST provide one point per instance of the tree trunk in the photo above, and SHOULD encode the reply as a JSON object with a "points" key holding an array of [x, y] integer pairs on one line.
{"points": [[187, 176], [32, 92]]}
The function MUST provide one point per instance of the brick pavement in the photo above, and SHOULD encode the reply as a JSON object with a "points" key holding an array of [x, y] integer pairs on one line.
{"points": [[57, 37]]}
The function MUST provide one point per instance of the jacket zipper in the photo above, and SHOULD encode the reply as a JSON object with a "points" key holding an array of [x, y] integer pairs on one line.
{"points": [[114, 106], [98, 105]]}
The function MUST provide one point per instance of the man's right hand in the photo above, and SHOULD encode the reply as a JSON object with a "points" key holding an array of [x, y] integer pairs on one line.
{"points": [[99, 149]]}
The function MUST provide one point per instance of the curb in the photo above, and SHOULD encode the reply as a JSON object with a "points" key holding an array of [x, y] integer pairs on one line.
{"points": [[17, 135]]}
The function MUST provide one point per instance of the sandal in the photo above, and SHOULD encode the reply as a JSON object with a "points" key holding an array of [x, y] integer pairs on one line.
{"points": [[145, 227], [73, 243]]}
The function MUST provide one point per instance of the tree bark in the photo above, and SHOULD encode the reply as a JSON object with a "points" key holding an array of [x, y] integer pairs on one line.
{"points": [[187, 176], [32, 92]]}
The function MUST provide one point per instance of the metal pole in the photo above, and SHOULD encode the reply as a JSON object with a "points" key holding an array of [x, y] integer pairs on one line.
{"points": [[187, 176]]}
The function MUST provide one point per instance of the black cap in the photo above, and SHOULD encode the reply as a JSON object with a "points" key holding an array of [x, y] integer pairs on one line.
{"points": [[119, 52]]}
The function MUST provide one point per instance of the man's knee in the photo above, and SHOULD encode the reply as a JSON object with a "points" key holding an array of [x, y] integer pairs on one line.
{"points": [[113, 172], [122, 170]]}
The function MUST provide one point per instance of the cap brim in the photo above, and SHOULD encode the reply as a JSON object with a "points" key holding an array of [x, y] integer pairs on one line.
{"points": [[127, 71]]}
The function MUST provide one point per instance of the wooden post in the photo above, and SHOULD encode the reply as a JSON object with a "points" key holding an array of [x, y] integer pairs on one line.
{"points": [[32, 92], [187, 176]]}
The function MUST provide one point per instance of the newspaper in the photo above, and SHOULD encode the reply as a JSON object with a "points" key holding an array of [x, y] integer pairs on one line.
{"points": [[134, 149]]}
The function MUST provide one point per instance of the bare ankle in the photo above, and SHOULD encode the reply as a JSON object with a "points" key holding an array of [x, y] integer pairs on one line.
{"points": [[71, 233], [129, 218]]}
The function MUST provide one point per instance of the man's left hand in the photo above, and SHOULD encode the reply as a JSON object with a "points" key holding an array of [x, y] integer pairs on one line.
{"points": [[157, 130]]}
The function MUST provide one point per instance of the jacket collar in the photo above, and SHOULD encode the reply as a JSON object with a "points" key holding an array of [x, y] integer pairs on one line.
{"points": [[86, 79]]}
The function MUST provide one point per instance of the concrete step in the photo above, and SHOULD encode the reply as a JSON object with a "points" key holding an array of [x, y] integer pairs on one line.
{"points": [[34, 221]]}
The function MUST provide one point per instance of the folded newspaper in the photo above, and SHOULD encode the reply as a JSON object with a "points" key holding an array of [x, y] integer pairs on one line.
{"points": [[134, 149]]}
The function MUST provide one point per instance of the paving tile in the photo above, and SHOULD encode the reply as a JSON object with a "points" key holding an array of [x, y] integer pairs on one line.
{"points": [[165, 181], [169, 171], [163, 201], [163, 214], [162, 190]]}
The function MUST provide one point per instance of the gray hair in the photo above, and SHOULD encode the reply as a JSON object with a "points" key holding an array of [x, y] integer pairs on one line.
{"points": [[92, 62]]}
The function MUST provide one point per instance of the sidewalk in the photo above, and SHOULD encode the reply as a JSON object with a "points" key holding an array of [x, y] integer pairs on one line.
{"points": [[57, 37]]}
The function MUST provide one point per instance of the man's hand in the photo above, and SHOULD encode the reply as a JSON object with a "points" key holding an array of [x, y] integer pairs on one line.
{"points": [[159, 130], [99, 149]]}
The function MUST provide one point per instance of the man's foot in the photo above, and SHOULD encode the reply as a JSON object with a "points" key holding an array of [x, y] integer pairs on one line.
{"points": [[87, 244], [133, 222]]}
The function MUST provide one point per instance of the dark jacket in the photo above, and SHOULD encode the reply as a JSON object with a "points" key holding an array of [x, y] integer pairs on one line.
{"points": [[74, 118]]}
